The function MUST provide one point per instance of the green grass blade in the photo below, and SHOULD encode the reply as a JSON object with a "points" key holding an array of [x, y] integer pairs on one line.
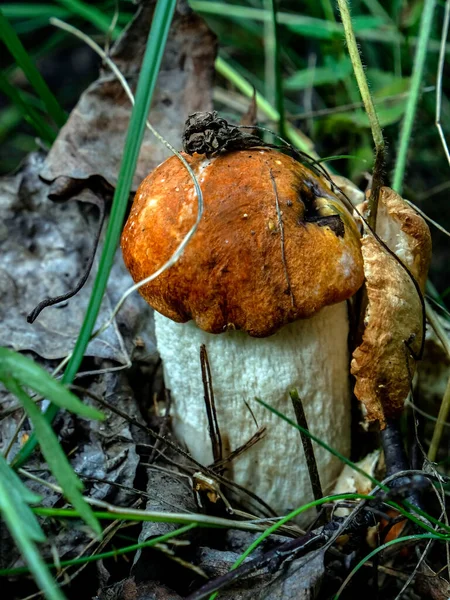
{"points": [[54, 455], [365, 25], [147, 80], [10, 117], [337, 70], [413, 98], [30, 374], [330, 30], [272, 46], [33, 11], [28, 112], [14, 45], [406, 538], [24, 527], [30, 25], [92, 14], [161, 539], [232, 75], [14, 489], [341, 457]]}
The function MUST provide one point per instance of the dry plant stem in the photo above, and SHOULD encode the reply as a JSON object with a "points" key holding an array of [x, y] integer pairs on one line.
{"points": [[271, 560], [296, 548], [307, 447], [377, 134], [394, 452], [440, 423], [80, 284], [149, 515], [444, 410], [214, 429], [179, 250], [14, 436], [440, 72], [415, 571], [261, 504]]}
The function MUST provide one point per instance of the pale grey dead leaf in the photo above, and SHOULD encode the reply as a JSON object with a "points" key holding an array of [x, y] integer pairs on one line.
{"points": [[44, 247], [91, 143]]}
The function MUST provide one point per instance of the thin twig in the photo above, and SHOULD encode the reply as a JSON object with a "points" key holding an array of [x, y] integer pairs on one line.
{"points": [[272, 559], [426, 217], [444, 411], [214, 430], [80, 283], [307, 446], [228, 483]]}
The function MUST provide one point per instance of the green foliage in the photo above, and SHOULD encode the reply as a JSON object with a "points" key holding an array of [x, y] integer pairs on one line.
{"points": [[23, 60], [24, 371], [17, 371], [27, 110], [90, 13], [333, 71], [24, 527], [328, 30]]}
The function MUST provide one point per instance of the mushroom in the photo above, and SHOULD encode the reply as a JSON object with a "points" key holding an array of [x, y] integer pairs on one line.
{"points": [[263, 286]]}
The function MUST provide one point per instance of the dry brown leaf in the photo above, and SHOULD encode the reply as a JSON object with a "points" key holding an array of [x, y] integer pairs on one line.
{"points": [[90, 145], [384, 362], [353, 482]]}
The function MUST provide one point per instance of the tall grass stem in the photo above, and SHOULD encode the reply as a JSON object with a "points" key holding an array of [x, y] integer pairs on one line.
{"points": [[377, 134], [414, 94]]}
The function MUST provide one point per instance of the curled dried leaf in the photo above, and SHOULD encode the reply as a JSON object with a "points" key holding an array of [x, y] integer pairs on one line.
{"points": [[353, 482], [384, 362]]}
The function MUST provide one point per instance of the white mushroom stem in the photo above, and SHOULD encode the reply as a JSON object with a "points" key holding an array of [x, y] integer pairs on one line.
{"points": [[310, 355]]}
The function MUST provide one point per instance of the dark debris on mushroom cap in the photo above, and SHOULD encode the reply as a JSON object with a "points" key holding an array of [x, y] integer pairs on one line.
{"points": [[274, 244]]}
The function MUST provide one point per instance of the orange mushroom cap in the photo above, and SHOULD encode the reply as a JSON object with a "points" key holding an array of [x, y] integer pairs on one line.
{"points": [[274, 244]]}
